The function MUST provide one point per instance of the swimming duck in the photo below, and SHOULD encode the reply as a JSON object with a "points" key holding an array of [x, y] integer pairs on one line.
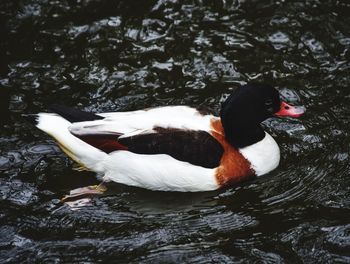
{"points": [[174, 148]]}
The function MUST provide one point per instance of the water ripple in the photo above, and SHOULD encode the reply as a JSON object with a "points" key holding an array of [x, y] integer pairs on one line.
{"points": [[105, 55]]}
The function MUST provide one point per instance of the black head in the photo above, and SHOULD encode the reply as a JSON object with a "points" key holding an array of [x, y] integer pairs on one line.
{"points": [[244, 110], [254, 102]]}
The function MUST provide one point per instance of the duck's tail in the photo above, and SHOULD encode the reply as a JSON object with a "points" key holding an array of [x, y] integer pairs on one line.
{"points": [[58, 128]]}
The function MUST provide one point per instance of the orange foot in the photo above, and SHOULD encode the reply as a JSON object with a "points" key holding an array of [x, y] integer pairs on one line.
{"points": [[83, 192]]}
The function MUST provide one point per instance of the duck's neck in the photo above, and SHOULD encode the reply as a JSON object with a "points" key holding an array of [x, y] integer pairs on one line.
{"points": [[242, 136]]}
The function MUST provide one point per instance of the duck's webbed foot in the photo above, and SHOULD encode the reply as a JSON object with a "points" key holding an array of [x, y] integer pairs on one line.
{"points": [[84, 192]]}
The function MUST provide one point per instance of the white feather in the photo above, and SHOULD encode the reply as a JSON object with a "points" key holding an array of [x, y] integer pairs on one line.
{"points": [[182, 117], [83, 153], [158, 172], [264, 156]]}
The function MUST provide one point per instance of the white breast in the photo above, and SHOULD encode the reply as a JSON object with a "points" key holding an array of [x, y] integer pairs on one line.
{"points": [[264, 156]]}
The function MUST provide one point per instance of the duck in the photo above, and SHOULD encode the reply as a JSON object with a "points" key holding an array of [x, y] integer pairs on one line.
{"points": [[174, 148]]}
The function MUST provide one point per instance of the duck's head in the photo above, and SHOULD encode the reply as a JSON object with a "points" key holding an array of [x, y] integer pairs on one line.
{"points": [[249, 105]]}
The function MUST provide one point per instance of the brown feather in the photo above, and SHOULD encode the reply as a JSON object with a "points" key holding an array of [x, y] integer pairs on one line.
{"points": [[233, 166], [106, 143]]}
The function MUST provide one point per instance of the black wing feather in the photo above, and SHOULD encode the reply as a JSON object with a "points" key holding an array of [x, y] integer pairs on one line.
{"points": [[196, 147], [73, 114]]}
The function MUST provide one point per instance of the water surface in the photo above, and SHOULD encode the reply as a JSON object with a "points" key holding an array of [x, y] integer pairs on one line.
{"points": [[104, 55]]}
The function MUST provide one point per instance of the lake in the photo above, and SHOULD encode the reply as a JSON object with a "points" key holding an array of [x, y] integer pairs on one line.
{"points": [[101, 55]]}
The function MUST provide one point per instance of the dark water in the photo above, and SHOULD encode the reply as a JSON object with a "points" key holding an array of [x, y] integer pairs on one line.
{"points": [[124, 55]]}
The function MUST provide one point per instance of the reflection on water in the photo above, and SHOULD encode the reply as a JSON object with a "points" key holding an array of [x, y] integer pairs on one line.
{"points": [[125, 55]]}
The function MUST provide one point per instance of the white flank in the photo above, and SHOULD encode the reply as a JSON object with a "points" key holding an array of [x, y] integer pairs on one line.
{"points": [[264, 156], [158, 172]]}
